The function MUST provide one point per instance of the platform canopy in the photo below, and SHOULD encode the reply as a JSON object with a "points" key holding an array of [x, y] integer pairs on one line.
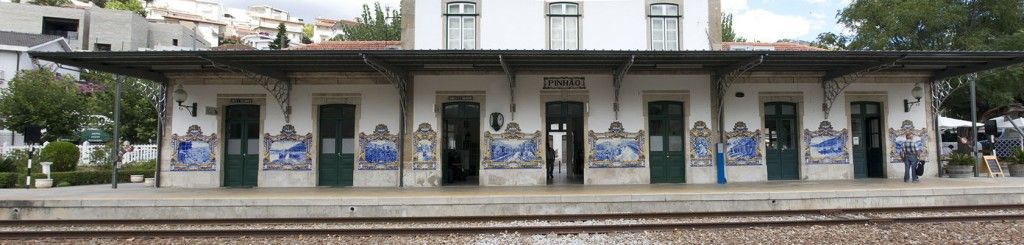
{"points": [[154, 65]]}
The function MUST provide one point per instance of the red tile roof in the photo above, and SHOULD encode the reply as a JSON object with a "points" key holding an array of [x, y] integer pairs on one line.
{"points": [[351, 45], [781, 46], [236, 46]]}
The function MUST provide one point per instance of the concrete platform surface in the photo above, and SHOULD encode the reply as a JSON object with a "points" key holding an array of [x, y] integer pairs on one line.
{"points": [[137, 202]]}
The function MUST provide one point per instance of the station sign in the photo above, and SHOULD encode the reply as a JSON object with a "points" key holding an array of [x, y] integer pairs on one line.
{"points": [[460, 98], [565, 83], [241, 101]]}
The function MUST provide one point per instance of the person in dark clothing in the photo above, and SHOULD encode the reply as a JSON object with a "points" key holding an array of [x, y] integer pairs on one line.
{"points": [[550, 157], [910, 155]]}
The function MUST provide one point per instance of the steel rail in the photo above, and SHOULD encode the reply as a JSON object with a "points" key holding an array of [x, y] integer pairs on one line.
{"points": [[569, 229], [435, 219]]}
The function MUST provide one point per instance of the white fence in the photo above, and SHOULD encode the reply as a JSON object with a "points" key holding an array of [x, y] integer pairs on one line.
{"points": [[141, 152]]}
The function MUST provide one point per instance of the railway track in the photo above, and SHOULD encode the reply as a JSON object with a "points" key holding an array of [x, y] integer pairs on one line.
{"points": [[836, 219]]}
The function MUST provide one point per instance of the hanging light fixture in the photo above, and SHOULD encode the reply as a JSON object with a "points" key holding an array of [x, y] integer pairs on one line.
{"points": [[180, 96]]}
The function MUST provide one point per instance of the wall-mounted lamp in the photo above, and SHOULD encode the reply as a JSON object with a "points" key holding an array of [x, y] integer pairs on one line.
{"points": [[917, 92], [181, 96]]}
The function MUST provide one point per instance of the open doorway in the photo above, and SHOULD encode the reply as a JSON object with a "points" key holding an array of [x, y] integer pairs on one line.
{"points": [[461, 144], [565, 134]]}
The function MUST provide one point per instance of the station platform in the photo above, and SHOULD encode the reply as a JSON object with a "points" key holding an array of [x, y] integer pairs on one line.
{"points": [[133, 201]]}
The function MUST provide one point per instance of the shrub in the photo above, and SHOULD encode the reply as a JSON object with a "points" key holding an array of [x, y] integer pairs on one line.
{"points": [[9, 180], [100, 156], [962, 159], [7, 165], [90, 177], [64, 156], [19, 158], [1017, 156], [139, 166]]}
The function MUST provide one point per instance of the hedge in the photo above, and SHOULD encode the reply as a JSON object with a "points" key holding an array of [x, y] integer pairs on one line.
{"points": [[10, 180], [89, 177], [64, 156]]}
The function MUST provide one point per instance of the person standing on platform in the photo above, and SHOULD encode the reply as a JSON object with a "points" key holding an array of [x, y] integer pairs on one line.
{"points": [[909, 155], [550, 157]]}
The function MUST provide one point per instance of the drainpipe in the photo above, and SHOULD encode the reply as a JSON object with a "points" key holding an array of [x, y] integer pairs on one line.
{"points": [[720, 147]]}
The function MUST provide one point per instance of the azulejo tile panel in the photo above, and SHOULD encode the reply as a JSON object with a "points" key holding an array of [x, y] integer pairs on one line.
{"points": [[898, 136], [425, 148], [616, 148], [288, 150], [194, 151], [700, 145], [826, 145], [379, 150], [743, 146], [512, 149]]}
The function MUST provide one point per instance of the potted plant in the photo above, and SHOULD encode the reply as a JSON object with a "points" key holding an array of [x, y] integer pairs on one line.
{"points": [[137, 178], [960, 166], [1017, 168], [44, 183]]}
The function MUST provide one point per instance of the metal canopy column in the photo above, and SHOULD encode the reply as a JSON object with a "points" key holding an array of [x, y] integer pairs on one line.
{"points": [[835, 82], [279, 84], [941, 89], [620, 74], [157, 93], [398, 78], [511, 76], [724, 78]]}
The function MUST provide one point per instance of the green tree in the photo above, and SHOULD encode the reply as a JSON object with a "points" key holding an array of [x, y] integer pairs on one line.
{"points": [[129, 5], [138, 116], [43, 98], [728, 33], [307, 34], [58, 3], [940, 25], [383, 24], [282, 41], [228, 40]]}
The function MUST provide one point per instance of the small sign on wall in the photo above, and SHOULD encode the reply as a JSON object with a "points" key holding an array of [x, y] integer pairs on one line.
{"points": [[565, 83], [460, 98], [241, 101], [211, 111]]}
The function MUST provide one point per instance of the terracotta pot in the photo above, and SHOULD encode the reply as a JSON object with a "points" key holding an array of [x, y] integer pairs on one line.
{"points": [[44, 183], [137, 178], [149, 182], [1017, 170], [960, 171]]}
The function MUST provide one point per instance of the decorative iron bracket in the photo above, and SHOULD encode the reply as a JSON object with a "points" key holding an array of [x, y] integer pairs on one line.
{"points": [[942, 89], [620, 75], [511, 76], [835, 82], [277, 83], [730, 74], [156, 92]]}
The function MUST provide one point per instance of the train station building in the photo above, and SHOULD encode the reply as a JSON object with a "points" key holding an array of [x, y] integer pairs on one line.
{"points": [[473, 98]]}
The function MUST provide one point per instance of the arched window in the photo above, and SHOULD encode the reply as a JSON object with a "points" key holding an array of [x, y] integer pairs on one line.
{"points": [[564, 25], [461, 25], [664, 26]]}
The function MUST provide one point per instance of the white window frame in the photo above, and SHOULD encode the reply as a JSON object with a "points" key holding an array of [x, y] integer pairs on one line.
{"points": [[562, 36], [660, 30], [461, 25]]}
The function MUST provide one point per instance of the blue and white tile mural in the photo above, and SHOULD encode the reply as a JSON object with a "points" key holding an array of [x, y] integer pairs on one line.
{"points": [[700, 145], [616, 148], [194, 151], [743, 146], [513, 149], [898, 136], [425, 145], [378, 151], [826, 145], [288, 150]]}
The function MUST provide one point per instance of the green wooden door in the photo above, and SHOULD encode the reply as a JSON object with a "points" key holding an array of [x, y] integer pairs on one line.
{"points": [[241, 149], [783, 150], [866, 122], [337, 145], [668, 162]]}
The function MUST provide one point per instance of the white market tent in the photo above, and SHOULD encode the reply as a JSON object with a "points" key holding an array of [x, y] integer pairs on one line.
{"points": [[1001, 122], [951, 123]]}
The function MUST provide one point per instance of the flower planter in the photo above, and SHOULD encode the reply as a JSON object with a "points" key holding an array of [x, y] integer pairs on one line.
{"points": [[149, 182], [960, 171], [44, 183], [1005, 167], [1017, 170], [137, 178]]}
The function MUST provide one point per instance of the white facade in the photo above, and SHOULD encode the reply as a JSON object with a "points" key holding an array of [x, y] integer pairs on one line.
{"points": [[602, 25]]}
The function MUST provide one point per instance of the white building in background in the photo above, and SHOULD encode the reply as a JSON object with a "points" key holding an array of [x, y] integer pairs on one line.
{"points": [[265, 20], [325, 29], [203, 15], [215, 21]]}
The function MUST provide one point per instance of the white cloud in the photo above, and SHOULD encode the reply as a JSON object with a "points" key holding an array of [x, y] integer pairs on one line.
{"points": [[763, 25], [734, 6]]}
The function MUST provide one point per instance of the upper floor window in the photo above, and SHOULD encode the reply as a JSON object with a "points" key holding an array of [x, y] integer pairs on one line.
{"points": [[461, 24], [564, 25], [664, 27]]}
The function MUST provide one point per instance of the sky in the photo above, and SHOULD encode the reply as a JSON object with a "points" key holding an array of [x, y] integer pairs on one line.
{"points": [[755, 20]]}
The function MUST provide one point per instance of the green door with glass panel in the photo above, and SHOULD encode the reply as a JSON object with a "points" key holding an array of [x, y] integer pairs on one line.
{"points": [[866, 122], [337, 145], [783, 150], [241, 149], [668, 162]]}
